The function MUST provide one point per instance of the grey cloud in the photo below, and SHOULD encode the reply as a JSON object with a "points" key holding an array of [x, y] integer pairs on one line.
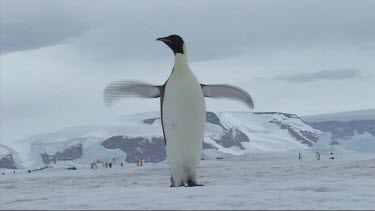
{"points": [[212, 29], [339, 74], [45, 89], [27, 25], [31, 35]]}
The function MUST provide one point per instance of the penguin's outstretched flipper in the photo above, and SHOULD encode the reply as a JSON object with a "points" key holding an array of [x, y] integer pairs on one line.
{"points": [[226, 91], [118, 90]]}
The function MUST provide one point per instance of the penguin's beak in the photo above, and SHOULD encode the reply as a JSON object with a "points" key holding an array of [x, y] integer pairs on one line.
{"points": [[163, 39]]}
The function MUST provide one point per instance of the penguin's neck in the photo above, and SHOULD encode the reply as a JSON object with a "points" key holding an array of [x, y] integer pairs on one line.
{"points": [[180, 61]]}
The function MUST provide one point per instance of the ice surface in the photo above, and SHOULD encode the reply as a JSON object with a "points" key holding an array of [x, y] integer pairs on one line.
{"points": [[250, 181]]}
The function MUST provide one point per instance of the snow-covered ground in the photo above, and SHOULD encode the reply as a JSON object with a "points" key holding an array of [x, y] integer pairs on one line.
{"points": [[251, 181]]}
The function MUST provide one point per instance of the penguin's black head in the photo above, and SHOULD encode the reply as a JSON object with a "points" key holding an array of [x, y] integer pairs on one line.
{"points": [[175, 42]]}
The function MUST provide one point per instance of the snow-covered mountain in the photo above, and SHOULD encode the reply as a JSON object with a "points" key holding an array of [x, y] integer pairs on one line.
{"points": [[139, 136], [344, 125]]}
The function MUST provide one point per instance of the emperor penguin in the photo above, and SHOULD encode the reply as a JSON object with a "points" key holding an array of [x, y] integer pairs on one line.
{"points": [[183, 110]]}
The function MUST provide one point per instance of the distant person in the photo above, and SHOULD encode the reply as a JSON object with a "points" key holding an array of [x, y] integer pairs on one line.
{"points": [[122, 164], [317, 156], [3, 173], [300, 156], [14, 172], [29, 171]]}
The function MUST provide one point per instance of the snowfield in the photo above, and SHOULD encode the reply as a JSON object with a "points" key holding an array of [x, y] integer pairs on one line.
{"points": [[251, 181]]}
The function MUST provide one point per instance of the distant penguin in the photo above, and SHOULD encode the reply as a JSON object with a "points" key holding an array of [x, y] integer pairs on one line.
{"points": [[317, 156], [183, 111]]}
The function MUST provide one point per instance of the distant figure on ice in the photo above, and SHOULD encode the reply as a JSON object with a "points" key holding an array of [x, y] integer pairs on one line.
{"points": [[14, 172], [300, 156], [138, 162], [122, 164], [3, 173], [94, 166], [142, 162], [317, 156], [29, 171], [332, 157], [110, 165]]}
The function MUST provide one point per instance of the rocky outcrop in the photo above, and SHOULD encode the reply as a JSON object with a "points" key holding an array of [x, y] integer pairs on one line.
{"points": [[138, 148], [70, 153], [230, 136], [7, 162], [283, 120]]}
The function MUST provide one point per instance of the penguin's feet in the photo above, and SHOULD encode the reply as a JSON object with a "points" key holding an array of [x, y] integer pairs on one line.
{"points": [[186, 185], [192, 183], [189, 183], [173, 184]]}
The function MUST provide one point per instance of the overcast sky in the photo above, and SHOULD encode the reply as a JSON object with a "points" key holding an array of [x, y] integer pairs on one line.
{"points": [[302, 57]]}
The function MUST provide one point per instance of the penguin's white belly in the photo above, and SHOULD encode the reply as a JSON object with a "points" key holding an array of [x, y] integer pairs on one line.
{"points": [[184, 117]]}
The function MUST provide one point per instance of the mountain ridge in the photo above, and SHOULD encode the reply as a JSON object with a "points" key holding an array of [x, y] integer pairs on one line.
{"points": [[139, 136], [344, 125], [366, 114]]}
